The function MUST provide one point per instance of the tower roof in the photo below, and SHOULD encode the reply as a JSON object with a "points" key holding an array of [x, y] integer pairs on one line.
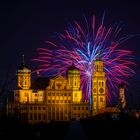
{"points": [[73, 69], [23, 65], [99, 56]]}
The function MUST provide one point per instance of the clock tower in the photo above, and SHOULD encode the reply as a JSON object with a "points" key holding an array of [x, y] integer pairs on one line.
{"points": [[98, 87]]}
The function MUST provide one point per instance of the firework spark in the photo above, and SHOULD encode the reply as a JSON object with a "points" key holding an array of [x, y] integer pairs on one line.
{"points": [[80, 45]]}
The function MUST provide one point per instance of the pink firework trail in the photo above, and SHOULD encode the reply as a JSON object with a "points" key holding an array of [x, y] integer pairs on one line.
{"points": [[80, 45]]}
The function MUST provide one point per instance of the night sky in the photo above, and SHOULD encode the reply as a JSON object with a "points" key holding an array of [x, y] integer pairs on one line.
{"points": [[25, 26]]}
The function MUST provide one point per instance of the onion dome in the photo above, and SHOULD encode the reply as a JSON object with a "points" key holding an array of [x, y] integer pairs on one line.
{"points": [[73, 70]]}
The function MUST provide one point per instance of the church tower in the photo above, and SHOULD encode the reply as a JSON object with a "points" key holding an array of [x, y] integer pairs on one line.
{"points": [[98, 87], [23, 76], [73, 77], [122, 101]]}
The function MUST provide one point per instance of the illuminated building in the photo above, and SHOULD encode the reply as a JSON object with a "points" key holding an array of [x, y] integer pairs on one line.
{"points": [[56, 98]]}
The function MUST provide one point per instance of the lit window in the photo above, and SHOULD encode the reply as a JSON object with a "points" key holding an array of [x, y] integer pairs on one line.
{"points": [[101, 99]]}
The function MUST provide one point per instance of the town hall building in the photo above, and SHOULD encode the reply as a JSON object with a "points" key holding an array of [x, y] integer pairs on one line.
{"points": [[57, 98]]}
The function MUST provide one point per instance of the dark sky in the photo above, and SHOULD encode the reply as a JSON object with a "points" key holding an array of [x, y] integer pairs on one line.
{"points": [[24, 26]]}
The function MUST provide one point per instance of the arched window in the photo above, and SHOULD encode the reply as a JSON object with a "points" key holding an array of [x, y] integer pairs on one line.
{"points": [[102, 83]]}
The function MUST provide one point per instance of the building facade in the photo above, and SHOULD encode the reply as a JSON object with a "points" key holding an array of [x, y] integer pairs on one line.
{"points": [[57, 98]]}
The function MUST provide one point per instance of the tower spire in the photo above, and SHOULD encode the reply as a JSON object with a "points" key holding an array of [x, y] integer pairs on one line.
{"points": [[23, 59], [99, 55]]}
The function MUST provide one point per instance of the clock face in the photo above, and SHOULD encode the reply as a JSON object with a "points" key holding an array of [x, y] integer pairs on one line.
{"points": [[101, 90], [94, 90]]}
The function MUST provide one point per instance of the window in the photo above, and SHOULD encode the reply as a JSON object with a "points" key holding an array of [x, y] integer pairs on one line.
{"points": [[35, 116], [82, 108], [86, 108], [36, 100], [43, 108], [39, 116], [35, 95], [31, 117], [31, 108], [78, 108], [35, 108], [43, 116], [61, 101], [65, 101], [57, 101], [69, 101], [74, 108], [65, 94], [101, 99], [39, 108], [102, 83]]}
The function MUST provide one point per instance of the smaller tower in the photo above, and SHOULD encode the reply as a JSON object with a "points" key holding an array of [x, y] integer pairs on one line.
{"points": [[23, 76], [73, 77], [122, 101]]}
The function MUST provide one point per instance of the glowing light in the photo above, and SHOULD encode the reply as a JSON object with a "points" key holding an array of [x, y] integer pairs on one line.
{"points": [[80, 45]]}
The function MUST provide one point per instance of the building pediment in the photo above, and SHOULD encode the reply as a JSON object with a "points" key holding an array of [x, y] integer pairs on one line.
{"points": [[58, 83]]}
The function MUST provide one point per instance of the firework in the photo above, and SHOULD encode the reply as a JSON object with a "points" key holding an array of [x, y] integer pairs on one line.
{"points": [[79, 44]]}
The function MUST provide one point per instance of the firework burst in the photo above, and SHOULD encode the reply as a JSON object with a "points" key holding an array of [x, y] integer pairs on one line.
{"points": [[80, 44]]}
